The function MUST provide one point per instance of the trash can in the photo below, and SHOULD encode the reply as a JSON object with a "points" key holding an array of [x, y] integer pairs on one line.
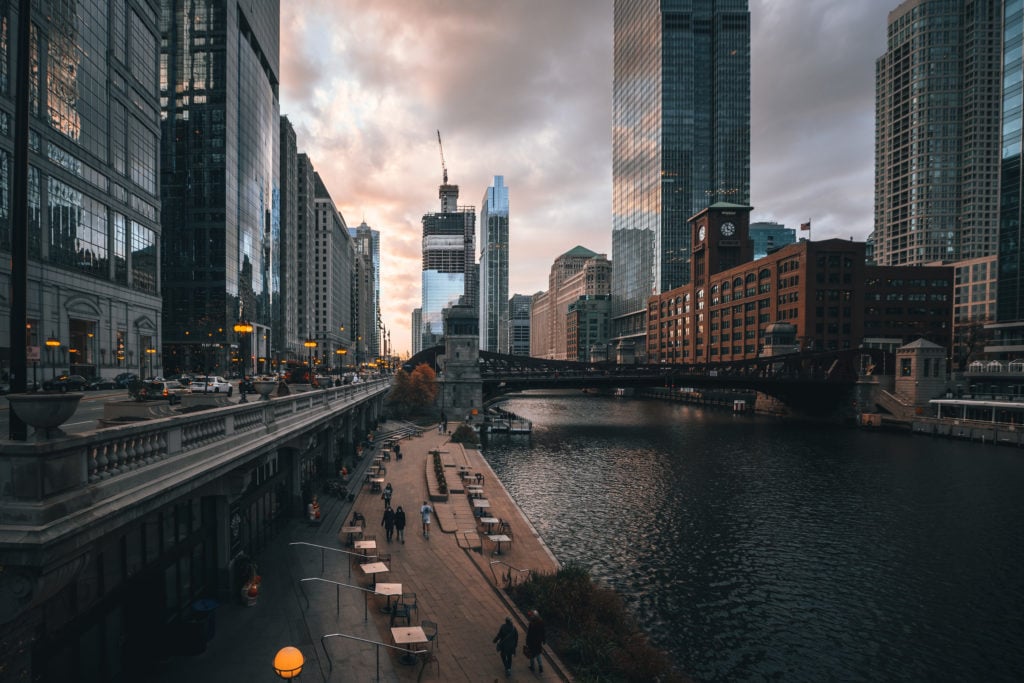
{"points": [[203, 612]]}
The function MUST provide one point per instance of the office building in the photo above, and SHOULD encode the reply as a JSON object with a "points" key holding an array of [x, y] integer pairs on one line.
{"points": [[587, 323], [92, 225], [974, 307], [332, 266], [769, 236], [578, 273], [681, 140], [494, 267], [518, 325], [449, 271], [285, 336], [937, 133], [219, 180], [366, 306]]}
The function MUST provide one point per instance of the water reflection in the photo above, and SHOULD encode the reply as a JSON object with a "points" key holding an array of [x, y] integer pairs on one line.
{"points": [[753, 548]]}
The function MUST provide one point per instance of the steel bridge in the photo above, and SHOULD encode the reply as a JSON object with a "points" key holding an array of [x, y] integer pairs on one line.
{"points": [[809, 383]]}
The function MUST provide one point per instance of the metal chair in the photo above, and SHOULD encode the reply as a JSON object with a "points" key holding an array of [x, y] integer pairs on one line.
{"points": [[399, 610], [430, 629], [385, 558]]}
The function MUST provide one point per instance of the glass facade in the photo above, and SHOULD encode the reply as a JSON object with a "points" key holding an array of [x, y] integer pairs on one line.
{"points": [[680, 140], [218, 75], [768, 237], [1010, 296], [936, 136], [494, 247], [449, 270]]}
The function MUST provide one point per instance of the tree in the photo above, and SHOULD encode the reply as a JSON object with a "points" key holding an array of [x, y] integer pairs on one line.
{"points": [[413, 392]]}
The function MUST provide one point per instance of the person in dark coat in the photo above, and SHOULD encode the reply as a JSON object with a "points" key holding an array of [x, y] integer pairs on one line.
{"points": [[507, 640], [400, 523], [388, 522], [535, 640]]}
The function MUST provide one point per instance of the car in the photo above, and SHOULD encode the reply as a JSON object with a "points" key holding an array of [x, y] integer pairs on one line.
{"points": [[124, 379], [99, 383], [169, 389], [211, 385], [66, 383]]}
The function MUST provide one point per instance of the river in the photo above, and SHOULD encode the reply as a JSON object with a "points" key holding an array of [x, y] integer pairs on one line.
{"points": [[751, 548]]}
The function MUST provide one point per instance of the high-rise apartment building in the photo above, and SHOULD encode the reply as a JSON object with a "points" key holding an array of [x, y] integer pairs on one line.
{"points": [[937, 133], [681, 140], [449, 269], [218, 75], [93, 205], [494, 267]]}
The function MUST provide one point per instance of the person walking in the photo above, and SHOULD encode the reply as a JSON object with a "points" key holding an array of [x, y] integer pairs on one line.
{"points": [[386, 495], [425, 511], [535, 640], [507, 641], [388, 522], [400, 523]]}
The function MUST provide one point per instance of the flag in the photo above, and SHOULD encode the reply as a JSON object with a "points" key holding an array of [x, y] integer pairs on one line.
{"points": [[805, 226]]}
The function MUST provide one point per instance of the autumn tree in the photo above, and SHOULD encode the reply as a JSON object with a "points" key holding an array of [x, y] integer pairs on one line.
{"points": [[413, 391]]}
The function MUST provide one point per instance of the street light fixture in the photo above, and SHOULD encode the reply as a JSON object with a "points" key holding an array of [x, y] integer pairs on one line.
{"points": [[288, 662], [52, 343], [242, 328], [310, 344], [150, 352]]}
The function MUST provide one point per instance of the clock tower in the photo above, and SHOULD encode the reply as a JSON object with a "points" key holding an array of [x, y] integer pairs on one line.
{"points": [[721, 240]]}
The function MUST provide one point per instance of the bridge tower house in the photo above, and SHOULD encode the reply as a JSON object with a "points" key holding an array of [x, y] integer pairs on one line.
{"points": [[461, 388]]}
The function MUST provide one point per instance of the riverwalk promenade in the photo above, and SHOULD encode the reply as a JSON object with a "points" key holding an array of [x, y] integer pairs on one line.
{"points": [[455, 575]]}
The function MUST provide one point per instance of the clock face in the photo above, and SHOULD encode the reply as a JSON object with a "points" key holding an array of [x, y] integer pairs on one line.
{"points": [[728, 229], [700, 233]]}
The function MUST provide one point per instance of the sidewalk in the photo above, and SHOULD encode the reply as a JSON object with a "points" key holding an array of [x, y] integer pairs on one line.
{"points": [[450, 573]]}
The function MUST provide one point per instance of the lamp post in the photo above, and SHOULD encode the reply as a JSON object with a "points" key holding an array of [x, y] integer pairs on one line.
{"points": [[150, 352], [341, 357], [310, 344], [288, 662], [242, 328], [52, 343]]}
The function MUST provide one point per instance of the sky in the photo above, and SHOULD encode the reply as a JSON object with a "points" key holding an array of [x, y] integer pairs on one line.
{"points": [[523, 89]]}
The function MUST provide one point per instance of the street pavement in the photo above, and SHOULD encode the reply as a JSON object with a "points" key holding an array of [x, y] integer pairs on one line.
{"points": [[342, 631]]}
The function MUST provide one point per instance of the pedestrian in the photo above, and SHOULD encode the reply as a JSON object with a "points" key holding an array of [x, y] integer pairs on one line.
{"points": [[535, 640], [400, 523], [425, 511], [507, 641], [313, 510], [388, 491], [398, 451], [388, 522]]}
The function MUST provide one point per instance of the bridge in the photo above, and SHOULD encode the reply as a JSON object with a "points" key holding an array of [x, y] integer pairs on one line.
{"points": [[811, 383]]}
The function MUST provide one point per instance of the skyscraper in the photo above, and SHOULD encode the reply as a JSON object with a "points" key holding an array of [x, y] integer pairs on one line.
{"points": [[449, 269], [937, 133], [367, 307], [219, 177], [681, 139], [494, 267], [1010, 297]]}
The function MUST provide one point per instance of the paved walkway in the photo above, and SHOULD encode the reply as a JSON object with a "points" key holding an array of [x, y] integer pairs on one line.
{"points": [[451, 574]]}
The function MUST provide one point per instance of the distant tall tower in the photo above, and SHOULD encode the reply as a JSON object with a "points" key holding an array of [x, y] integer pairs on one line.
{"points": [[936, 133], [494, 268], [681, 140], [449, 269], [367, 244], [1010, 292]]}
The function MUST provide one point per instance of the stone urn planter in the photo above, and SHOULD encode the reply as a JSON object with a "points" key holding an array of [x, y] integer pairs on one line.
{"points": [[45, 412], [265, 387]]}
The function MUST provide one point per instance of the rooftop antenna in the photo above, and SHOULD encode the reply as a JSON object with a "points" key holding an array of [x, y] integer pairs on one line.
{"points": [[444, 168]]}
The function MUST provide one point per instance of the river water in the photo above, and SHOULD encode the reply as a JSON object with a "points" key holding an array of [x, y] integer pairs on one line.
{"points": [[751, 548]]}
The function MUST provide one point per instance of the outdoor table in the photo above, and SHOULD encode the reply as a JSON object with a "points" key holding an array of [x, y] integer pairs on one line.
{"points": [[375, 484], [365, 545], [499, 539], [387, 589], [371, 569], [490, 522], [479, 505], [351, 530], [408, 635]]}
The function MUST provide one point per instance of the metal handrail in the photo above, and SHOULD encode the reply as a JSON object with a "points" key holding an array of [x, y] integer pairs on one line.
{"points": [[333, 550], [507, 576], [337, 594], [364, 640]]}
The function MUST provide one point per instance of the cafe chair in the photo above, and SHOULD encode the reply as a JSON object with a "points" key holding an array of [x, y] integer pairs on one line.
{"points": [[385, 558], [399, 610], [409, 600], [430, 629]]}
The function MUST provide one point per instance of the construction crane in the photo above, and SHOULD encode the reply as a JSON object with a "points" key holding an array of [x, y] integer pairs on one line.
{"points": [[444, 168]]}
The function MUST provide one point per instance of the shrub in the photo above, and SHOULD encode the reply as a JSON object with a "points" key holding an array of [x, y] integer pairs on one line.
{"points": [[465, 434]]}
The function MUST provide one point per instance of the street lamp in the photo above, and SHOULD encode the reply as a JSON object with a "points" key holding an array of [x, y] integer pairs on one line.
{"points": [[341, 357], [52, 343], [310, 344], [150, 352], [242, 328], [288, 662]]}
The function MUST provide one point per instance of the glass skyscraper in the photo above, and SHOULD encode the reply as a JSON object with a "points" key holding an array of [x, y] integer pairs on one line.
{"points": [[1010, 292], [680, 141], [219, 178], [494, 268], [449, 270], [937, 133]]}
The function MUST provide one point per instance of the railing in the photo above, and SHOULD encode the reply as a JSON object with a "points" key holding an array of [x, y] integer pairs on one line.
{"points": [[85, 468], [507, 578], [323, 550], [330, 663]]}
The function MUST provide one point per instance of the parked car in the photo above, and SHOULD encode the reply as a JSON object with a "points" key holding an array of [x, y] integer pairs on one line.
{"points": [[66, 383], [99, 383], [169, 389], [212, 384], [124, 379]]}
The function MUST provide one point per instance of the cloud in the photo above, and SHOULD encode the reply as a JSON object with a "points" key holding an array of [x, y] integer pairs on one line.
{"points": [[523, 89]]}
